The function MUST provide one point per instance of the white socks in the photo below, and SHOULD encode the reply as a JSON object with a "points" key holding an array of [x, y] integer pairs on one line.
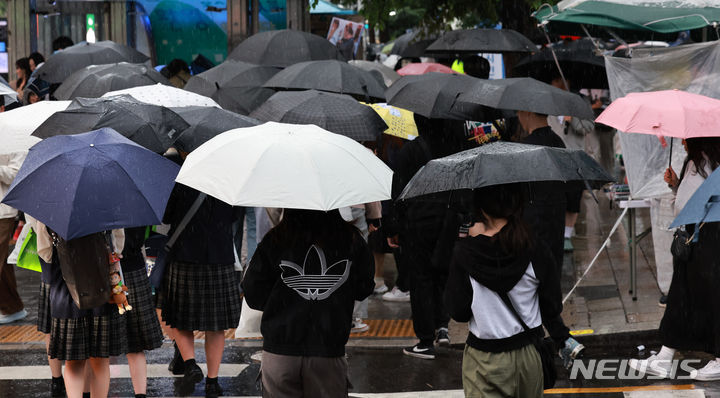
{"points": [[569, 231], [666, 353]]}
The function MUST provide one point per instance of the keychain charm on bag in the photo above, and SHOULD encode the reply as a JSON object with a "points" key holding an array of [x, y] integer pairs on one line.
{"points": [[119, 291]]}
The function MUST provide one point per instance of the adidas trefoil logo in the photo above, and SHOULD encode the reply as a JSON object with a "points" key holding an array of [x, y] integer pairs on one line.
{"points": [[315, 280]]}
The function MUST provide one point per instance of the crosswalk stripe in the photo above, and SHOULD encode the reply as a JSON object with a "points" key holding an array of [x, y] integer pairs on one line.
{"points": [[116, 371]]}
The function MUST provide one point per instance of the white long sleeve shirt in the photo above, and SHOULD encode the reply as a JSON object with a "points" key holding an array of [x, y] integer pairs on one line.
{"points": [[9, 165]]}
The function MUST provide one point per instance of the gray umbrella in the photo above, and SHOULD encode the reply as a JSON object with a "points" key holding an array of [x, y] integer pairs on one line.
{"points": [[433, 95], [337, 113], [283, 48], [95, 80], [205, 123], [332, 76], [65, 62], [522, 94], [505, 163], [235, 85], [389, 76], [154, 127], [481, 40]]}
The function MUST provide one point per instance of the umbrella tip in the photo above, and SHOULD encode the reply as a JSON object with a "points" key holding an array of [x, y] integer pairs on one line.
{"points": [[92, 144]]}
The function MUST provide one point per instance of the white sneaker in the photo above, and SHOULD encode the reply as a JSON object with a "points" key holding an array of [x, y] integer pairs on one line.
{"points": [[381, 288], [652, 366], [359, 326], [709, 372], [13, 317], [396, 295]]}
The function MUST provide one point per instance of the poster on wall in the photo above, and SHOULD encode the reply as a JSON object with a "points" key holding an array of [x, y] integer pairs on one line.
{"points": [[346, 35]]}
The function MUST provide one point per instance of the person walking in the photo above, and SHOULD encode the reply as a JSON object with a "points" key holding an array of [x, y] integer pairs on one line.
{"points": [[692, 316], [497, 266], [199, 290], [545, 213], [11, 305], [22, 69], [143, 327], [305, 276]]}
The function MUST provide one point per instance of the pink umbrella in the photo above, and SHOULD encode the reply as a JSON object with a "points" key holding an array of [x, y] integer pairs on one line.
{"points": [[423, 68], [669, 113]]}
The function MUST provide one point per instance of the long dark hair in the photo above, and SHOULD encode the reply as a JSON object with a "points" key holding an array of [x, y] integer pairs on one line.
{"points": [[24, 64], [698, 149], [325, 228], [507, 202]]}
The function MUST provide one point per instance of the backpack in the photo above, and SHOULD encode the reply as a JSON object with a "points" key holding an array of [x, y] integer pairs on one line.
{"points": [[85, 264]]}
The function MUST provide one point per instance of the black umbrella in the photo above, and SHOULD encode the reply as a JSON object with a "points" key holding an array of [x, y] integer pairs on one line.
{"points": [[388, 75], [95, 80], [433, 95], [412, 44], [281, 48], [154, 127], [205, 123], [65, 62], [337, 113], [581, 65], [481, 40], [504, 163], [236, 86], [522, 94], [333, 76]]}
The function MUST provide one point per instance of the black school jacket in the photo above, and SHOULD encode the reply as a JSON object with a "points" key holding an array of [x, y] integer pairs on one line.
{"points": [[307, 294]]}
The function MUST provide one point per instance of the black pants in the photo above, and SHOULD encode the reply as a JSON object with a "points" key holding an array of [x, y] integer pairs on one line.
{"points": [[427, 283], [402, 282]]}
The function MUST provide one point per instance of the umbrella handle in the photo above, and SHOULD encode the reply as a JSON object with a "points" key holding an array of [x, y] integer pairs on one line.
{"points": [[670, 162]]}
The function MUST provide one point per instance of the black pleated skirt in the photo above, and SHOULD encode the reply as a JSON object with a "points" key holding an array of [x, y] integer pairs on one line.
{"points": [[44, 320], [75, 339], [200, 296], [143, 328]]}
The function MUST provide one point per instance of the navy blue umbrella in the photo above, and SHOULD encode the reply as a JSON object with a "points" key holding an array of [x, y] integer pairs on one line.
{"points": [[91, 182], [704, 205]]}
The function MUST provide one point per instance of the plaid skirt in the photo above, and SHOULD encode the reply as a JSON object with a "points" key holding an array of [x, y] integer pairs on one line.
{"points": [[74, 339], [143, 327], [200, 297], [44, 319]]}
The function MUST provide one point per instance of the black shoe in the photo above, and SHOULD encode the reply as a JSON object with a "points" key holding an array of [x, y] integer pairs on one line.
{"points": [[443, 338], [177, 365], [212, 388], [663, 301], [57, 387], [420, 351], [193, 374]]}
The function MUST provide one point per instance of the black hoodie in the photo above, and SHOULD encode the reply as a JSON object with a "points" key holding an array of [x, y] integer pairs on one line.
{"points": [[481, 259], [307, 293]]}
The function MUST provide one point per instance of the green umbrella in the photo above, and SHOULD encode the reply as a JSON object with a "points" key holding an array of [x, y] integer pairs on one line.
{"points": [[649, 16]]}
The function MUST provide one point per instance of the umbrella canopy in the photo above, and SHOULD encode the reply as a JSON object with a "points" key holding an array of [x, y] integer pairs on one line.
{"points": [[704, 204], [19, 123], [289, 166], [95, 80], [389, 76], [421, 68], [63, 63], [281, 48], [205, 123], [7, 94], [97, 181], [154, 127], [648, 16], [337, 113], [523, 94], [433, 95], [333, 76], [236, 86], [578, 60], [412, 44], [668, 113], [164, 95], [497, 163], [482, 40], [400, 122]]}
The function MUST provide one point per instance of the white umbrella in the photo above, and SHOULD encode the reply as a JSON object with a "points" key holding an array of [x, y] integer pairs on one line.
{"points": [[7, 95], [287, 165], [17, 125], [168, 96]]}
